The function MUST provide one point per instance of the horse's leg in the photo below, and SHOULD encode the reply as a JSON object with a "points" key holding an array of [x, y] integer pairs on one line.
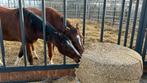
{"points": [[29, 53], [18, 59], [50, 52], [34, 52]]}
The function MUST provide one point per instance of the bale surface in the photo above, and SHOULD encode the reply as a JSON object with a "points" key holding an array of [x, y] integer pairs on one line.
{"points": [[110, 63]]}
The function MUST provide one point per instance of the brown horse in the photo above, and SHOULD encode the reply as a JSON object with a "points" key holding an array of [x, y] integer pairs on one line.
{"points": [[56, 19], [33, 31]]}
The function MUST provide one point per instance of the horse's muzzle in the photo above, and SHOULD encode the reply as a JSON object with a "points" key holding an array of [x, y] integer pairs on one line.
{"points": [[77, 59]]}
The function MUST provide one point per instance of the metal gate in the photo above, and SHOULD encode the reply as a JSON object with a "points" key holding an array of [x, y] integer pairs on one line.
{"points": [[140, 46], [5, 68]]}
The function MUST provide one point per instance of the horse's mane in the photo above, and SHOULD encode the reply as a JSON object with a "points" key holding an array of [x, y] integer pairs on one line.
{"points": [[6, 8], [37, 21]]}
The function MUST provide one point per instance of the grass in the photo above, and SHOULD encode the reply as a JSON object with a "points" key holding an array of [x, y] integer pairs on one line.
{"points": [[92, 36]]}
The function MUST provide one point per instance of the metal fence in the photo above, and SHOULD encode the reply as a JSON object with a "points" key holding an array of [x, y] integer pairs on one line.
{"points": [[141, 45], [101, 9], [75, 8], [5, 68]]}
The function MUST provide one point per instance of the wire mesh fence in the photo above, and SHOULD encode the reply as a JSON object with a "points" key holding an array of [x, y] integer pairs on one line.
{"points": [[75, 7]]}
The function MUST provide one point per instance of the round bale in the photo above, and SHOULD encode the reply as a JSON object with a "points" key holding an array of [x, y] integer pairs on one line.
{"points": [[110, 63]]}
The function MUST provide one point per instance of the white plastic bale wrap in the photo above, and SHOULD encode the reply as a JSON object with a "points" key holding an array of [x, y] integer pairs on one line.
{"points": [[110, 63]]}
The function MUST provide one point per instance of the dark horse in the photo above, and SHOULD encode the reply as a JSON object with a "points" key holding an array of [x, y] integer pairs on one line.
{"points": [[33, 31], [56, 19]]}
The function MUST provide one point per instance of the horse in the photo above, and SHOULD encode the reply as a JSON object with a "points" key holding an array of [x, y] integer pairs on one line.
{"points": [[56, 19], [33, 31]]}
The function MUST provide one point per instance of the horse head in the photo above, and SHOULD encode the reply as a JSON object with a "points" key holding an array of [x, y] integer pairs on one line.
{"points": [[63, 44], [73, 33], [76, 37]]}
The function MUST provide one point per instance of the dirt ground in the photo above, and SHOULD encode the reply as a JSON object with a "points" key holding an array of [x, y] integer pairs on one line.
{"points": [[92, 36]]}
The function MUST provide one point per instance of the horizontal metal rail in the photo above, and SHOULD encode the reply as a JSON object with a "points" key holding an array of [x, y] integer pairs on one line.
{"points": [[36, 68]]}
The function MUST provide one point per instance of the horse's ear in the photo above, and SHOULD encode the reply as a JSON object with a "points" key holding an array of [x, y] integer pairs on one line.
{"points": [[77, 26]]}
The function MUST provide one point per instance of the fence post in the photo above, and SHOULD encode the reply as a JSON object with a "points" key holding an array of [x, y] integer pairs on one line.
{"points": [[142, 25]]}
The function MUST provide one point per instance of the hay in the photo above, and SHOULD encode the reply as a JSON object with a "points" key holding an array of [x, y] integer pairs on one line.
{"points": [[66, 79], [110, 63]]}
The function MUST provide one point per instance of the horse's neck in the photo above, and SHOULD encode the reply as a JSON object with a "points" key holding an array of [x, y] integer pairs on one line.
{"points": [[35, 10], [36, 23], [60, 29]]}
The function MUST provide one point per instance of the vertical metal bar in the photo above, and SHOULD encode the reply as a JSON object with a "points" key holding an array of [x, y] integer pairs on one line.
{"points": [[88, 11], [120, 21], [76, 9], [23, 2], [65, 23], [114, 10], [38, 3], [44, 30], [8, 3], [134, 24], [30, 2], [84, 19], [143, 20], [34, 3], [22, 28], [103, 21], [14, 3], [100, 17], [128, 22], [98, 10], [145, 47], [2, 46]]}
